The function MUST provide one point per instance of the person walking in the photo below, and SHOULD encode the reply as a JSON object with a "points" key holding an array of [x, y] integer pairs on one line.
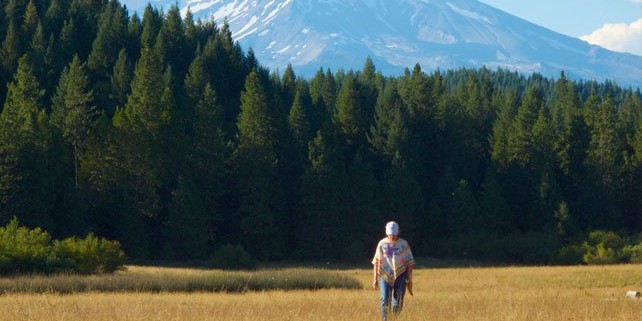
{"points": [[392, 270]]}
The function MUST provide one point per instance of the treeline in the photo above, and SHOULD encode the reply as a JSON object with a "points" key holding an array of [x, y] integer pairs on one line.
{"points": [[160, 132]]}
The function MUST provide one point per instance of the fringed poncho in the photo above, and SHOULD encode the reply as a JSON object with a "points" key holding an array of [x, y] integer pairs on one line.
{"points": [[393, 259]]}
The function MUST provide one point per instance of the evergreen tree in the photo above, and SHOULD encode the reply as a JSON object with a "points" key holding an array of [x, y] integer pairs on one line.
{"points": [[73, 111], [520, 142], [604, 163], [134, 34], [257, 161], [352, 118], [37, 53], [152, 22], [323, 91], [25, 139], [84, 15], [426, 156], [300, 118], [121, 77], [106, 184], [55, 16], [171, 45], [477, 123], [109, 41], [72, 118], [194, 84], [140, 127], [630, 116], [68, 47], [144, 103], [324, 184], [543, 134], [224, 62], [388, 136], [209, 157], [191, 32], [11, 50], [31, 19], [288, 85], [569, 128], [195, 80], [14, 11], [502, 128]]}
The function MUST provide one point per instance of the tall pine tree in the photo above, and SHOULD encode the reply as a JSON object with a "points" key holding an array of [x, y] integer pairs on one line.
{"points": [[257, 162], [26, 181]]}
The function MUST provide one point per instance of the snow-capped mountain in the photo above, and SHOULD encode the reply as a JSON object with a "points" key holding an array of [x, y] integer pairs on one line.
{"points": [[397, 34]]}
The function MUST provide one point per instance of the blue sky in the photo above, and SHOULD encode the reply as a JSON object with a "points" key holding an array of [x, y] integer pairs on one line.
{"points": [[613, 24], [572, 17]]}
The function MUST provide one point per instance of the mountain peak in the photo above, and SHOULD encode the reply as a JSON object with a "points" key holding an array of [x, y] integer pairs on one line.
{"points": [[396, 34]]}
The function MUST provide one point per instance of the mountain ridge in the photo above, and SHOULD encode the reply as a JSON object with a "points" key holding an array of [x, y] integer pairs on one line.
{"points": [[397, 34]]}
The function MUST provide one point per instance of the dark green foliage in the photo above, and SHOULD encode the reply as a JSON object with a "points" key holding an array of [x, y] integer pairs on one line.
{"points": [[351, 115], [186, 217], [258, 182], [323, 187], [110, 39], [146, 129], [73, 112], [11, 50], [25, 143], [232, 257], [171, 44], [120, 80], [300, 117]]}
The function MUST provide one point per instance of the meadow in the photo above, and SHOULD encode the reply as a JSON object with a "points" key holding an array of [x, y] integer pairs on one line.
{"points": [[463, 293]]}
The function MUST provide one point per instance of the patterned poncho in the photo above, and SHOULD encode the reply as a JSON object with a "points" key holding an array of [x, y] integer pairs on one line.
{"points": [[393, 259]]}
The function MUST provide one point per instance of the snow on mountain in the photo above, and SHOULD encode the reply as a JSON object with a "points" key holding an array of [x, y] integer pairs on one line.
{"points": [[397, 34]]}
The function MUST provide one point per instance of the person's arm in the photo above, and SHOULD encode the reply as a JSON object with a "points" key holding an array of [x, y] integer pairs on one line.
{"points": [[411, 267], [375, 275], [409, 277]]}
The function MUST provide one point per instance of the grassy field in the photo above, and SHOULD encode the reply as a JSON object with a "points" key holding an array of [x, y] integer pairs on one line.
{"points": [[498, 294], [167, 280]]}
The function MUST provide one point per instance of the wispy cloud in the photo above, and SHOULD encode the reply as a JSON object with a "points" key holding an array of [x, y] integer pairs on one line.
{"points": [[620, 37], [636, 1]]}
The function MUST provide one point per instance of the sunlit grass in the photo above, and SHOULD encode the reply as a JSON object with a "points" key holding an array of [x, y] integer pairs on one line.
{"points": [[150, 279], [444, 294]]}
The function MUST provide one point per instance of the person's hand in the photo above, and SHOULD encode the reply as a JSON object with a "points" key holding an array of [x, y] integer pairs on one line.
{"points": [[409, 285], [375, 284]]}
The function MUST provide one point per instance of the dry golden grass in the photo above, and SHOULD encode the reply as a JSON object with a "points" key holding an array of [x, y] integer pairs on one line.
{"points": [[156, 280], [485, 294]]}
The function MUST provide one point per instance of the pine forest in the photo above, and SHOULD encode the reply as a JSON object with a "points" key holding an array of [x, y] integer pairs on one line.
{"points": [[162, 133]]}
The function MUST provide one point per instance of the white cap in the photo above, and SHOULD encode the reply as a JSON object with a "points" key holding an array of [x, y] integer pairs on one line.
{"points": [[392, 228]]}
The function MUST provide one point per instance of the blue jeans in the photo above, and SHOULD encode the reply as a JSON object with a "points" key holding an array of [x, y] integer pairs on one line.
{"points": [[395, 292]]}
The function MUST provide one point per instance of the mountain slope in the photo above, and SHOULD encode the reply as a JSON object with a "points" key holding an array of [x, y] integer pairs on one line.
{"points": [[399, 33]]}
